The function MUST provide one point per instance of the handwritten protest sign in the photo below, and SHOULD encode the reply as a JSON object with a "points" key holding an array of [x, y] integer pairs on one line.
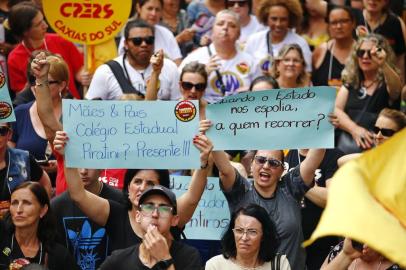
{"points": [[275, 119], [87, 22], [6, 107], [211, 216], [131, 134]]}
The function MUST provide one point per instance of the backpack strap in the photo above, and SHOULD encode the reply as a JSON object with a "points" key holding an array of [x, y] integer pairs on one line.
{"points": [[124, 82]]}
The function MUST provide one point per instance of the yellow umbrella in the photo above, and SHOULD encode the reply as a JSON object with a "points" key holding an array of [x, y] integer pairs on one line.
{"points": [[367, 201]]}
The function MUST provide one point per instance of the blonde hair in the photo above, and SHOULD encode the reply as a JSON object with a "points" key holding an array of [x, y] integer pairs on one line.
{"points": [[293, 6], [303, 76], [352, 73], [398, 117]]}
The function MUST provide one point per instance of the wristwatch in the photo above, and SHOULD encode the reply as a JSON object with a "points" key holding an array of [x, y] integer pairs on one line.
{"points": [[164, 264]]}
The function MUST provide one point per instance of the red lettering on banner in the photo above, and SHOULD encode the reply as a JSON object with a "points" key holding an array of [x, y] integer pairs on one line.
{"points": [[86, 10]]}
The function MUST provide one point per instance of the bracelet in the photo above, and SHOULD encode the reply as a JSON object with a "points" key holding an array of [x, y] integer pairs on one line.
{"points": [[42, 83], [205, 165]]}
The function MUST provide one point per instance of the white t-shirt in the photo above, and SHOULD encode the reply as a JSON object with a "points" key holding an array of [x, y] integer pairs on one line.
{"points": [[257, 46], [164, 39], [220, 263], [251, 28], [236, 73], [104, 84]]}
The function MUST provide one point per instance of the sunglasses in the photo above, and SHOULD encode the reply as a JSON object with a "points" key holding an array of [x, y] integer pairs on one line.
{"points": [[137, 41], [360, 53], [239, 3], [4, 130], [387, 132], [198, 86], [274, 163]]}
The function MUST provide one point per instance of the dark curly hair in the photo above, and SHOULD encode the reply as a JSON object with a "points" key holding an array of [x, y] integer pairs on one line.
{"points": [[269, 241]]}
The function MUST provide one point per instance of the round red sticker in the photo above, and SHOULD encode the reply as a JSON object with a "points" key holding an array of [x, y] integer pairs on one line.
{"points": [[5, 110], [185, 111]]}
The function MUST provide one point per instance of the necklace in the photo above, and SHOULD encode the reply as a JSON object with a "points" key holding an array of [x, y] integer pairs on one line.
{"points": [[245, 267], [363, 91], [379, 265], [40, 248], [100, 187]]}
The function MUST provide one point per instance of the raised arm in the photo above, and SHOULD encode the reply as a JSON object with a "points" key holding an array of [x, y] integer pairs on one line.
{"points": [[157, 62], [344, 259], [226, 170], [310, 164], [188, 202], [93, 206], [40, 68]]}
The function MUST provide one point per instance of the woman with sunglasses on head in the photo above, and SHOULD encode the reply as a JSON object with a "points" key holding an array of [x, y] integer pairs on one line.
{"points": [[281, 16], [28, 231], [279, 195], [250, 242], [370, 83], [329, 58], [150, 11]]}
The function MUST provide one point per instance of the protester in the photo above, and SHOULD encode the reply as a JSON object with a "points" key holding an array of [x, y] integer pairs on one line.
{"points": [[229, 70], [28, 131], [280, 196], [370, 83], [249, 23], [157, 212], [388, 123], [86, 241], [135, 67], [150, 11], [314, 201], [17, 166], [313, 27], [262, 83], [281, 16], [329, 58], [120, 220], [175, 19], [289, 67], [28, 230], [348, 256], [32, 32], [250, 242]]}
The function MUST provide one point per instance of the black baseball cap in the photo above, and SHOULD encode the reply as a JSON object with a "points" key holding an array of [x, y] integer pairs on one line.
{"points": [[161, 190]]}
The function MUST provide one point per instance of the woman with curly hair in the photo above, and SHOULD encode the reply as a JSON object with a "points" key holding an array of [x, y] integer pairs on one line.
{"points": [[370, 83], [289, 67], [281, 16]]}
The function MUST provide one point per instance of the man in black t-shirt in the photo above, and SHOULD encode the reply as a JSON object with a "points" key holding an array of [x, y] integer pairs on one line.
{"points": [[157, 213], [16, 167], [87, 242]]}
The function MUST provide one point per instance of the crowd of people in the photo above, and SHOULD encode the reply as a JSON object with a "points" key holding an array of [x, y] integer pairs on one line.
{"points": [[55, 217]]}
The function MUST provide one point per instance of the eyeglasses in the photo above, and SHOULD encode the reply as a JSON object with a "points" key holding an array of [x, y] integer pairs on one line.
{"points": [[387, 132], [4, 130], [231, 4], [360, 53], [163, 210], [251, 233], [53, 82], [198, 86], [341, 22], [274, 163], [137, 41]]}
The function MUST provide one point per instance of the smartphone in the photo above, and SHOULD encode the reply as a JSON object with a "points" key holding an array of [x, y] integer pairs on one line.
{"points": [[357, 245]]}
